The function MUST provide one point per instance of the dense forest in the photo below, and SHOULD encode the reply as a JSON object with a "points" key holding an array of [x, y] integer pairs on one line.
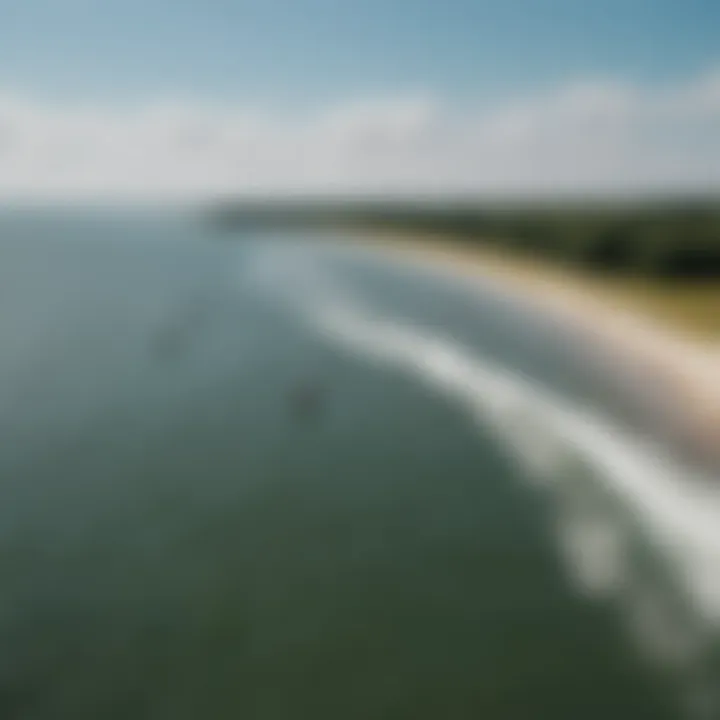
{"points": [[666, 239]]}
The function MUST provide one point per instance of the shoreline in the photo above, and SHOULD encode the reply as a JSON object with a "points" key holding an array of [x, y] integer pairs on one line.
{"points": [[675, 371]]}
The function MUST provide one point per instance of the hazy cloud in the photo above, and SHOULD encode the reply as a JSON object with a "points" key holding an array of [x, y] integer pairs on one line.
{"points": [[594, 135]]}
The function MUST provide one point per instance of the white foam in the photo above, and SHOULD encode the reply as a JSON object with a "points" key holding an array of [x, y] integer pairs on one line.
{"points": [[667, 499], [678, 511]]}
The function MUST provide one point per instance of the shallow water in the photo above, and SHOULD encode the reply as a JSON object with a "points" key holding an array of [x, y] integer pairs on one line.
{"points": [[465, 529]]}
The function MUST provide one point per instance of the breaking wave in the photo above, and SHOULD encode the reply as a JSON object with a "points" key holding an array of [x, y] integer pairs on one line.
{"points": [[635, 526]]}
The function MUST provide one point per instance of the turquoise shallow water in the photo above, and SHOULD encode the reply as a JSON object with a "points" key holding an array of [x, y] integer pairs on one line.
{"points": [[176, 543]]}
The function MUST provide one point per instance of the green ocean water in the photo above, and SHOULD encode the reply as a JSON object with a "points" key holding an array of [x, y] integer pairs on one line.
{"points": [[177, 542]]}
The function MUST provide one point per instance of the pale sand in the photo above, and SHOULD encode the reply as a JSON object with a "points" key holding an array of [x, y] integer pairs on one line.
{"points": [[678, 372]]}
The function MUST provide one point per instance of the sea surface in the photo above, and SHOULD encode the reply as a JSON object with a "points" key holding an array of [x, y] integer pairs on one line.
{"points": [[462, 518]]}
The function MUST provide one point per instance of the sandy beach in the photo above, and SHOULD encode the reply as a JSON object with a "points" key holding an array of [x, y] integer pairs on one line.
{"points": [[673, 370]]}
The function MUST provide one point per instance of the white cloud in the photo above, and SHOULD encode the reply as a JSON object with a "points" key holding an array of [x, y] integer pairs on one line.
{"points": [[594, 135]]}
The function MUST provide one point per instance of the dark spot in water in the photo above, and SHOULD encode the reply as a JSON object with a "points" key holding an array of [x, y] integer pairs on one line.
{"points": [[170, 342], [307, 400], [177, 335]]}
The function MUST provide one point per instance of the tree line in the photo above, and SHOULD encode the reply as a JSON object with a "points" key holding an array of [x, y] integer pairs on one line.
{"points": [[668, 239]]}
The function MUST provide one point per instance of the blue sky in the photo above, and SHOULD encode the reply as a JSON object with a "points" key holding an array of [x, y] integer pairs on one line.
{"points": [[306, 51], [390, 96]]}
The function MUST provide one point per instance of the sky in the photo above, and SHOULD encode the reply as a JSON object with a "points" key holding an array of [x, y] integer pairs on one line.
{"points": [[198, 97]]}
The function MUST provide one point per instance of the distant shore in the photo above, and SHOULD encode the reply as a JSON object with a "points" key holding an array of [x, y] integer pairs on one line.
{"points": [[667, 336]]}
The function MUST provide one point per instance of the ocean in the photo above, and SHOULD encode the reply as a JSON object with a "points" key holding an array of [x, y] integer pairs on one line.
{"points": [[461, 519]]}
